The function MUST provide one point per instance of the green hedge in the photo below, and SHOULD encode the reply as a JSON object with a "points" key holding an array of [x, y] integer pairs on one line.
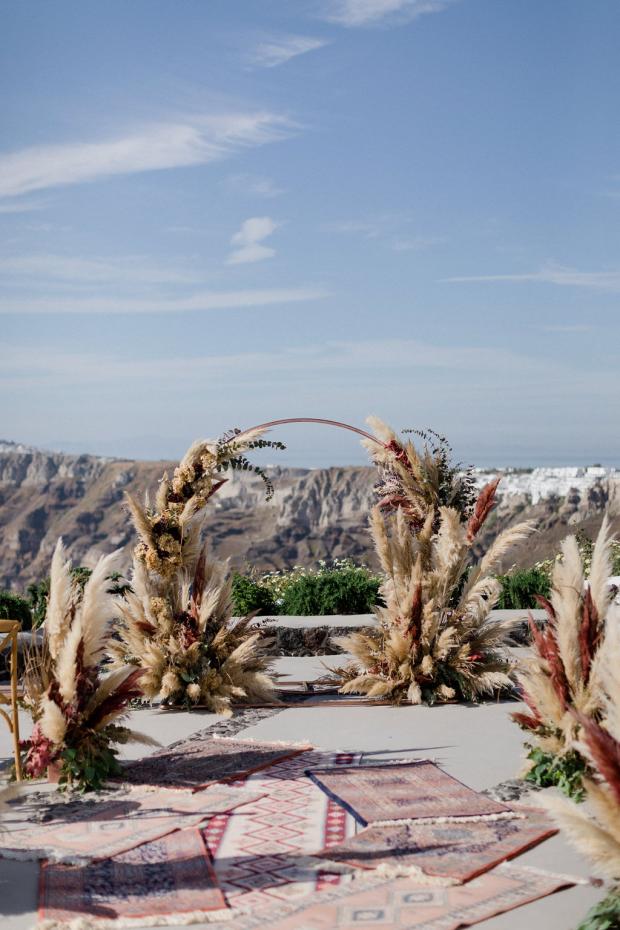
{"points": [[339, 587], [520, 587], [14, 607]]}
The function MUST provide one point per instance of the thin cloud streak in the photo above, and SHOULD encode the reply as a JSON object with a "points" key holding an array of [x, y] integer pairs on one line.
{"points": [[347, 358], [132, 269], [277, 51], [204, 301], [550, 274], [193, 141], [353, 13]]}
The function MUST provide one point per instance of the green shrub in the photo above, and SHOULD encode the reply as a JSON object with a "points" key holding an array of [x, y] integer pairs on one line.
{"points": [[565, 772], [249, 595], [352, 591], [38, 593], [603, 916], [14, 607], [520, 587], [337, 587]]}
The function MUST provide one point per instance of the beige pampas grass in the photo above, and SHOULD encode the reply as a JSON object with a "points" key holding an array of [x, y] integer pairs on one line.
{"points": [[435, 641], [564, 679], [74, 709], [572, 687], [177, 625]]}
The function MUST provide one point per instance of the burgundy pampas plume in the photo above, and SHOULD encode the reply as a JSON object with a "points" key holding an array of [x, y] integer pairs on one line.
{"points": [[605, 751], [547, 606], [527, 721], [589, 634], [216, 486], [399, 453], [127, 691], [415, 614], [198, 583], [484, 506], [547, 648]]}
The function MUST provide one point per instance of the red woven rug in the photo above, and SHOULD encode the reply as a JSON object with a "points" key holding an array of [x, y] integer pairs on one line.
{"points": [[196, 763], [403, 791], [401, 904], [164, 882], [264, 855], [454, 851], [118, 823]]}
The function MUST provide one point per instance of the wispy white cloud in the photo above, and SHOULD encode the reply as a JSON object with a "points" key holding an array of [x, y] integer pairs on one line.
{"points": [[389, 228], [128, 269], [370, 12], [566, 328], [191, 141], [253, 184], [202, 301], [280, 49], [22, 206], [248, 241], [551, 274], [474, 368], [417, 243]]}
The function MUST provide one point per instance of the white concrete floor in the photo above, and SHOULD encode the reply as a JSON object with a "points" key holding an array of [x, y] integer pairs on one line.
{"points": [[478, 745]]}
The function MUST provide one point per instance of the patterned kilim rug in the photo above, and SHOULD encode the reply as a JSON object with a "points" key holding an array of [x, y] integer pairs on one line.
{"points": [[456, 852], [401, 904], [403, 791], [266, 855], [196, 763], [167, 881], [113, 826]]}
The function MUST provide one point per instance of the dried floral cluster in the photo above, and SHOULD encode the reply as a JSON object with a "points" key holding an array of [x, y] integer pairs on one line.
{"points": [[594, 827], [176, 623], [75, 709], [419, 481], [560, 681], [435, 641]]}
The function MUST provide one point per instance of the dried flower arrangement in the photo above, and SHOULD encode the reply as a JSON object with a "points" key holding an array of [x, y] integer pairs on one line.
{"points": [[75, 709], [560, 681], [594, 826], [435, 641], [176, 622]]}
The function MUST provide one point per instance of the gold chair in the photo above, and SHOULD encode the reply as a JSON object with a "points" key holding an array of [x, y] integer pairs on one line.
{"points": [[8, 639]]}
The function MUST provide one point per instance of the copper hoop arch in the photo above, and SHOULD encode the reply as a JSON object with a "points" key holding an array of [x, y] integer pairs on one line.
{"points": [[337, 423]]}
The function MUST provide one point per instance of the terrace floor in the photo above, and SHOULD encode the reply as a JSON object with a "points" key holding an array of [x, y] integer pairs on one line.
{"points": [[477, 744]]}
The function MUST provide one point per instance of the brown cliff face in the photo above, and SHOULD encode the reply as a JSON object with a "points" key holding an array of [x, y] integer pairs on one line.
{"points": [[314, 514]]}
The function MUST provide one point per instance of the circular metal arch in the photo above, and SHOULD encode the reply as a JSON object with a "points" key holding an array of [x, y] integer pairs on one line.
{"points": [[337, 423]]}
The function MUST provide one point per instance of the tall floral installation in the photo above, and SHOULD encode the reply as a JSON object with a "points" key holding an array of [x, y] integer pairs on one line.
{"points": [[75, 708], [572, 687], [561, 680], [176, 623], [435, 641]]}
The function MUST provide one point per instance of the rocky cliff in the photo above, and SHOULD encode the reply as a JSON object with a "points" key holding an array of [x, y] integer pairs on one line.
{"points": [[314, 514]]}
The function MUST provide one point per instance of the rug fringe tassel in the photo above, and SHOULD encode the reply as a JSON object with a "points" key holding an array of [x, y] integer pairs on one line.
{"points": [[478, 818], [157, 920]]}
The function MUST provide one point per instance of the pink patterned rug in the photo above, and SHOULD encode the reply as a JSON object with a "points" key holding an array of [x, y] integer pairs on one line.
{"points": [[401, 904], [453, 851], [116, 825], [167, 881], [403, 791], [266, 856], [201, 760]]}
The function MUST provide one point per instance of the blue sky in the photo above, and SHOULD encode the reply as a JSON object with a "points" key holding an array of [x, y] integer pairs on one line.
{"points": [[215, 214]]}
